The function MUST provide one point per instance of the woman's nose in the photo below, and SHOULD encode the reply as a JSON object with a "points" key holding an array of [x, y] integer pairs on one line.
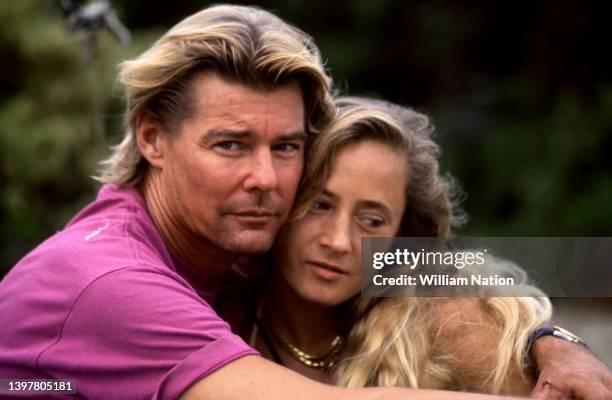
{"points": [[337, 235]]}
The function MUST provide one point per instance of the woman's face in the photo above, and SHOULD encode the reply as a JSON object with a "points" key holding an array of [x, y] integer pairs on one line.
{"points": [[319, 257]]}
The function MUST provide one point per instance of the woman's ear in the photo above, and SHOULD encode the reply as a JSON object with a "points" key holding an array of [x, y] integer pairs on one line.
{"points": [[150, 137]]}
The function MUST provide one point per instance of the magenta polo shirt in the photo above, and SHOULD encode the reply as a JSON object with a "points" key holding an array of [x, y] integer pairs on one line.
{"points": [[104, 302]]}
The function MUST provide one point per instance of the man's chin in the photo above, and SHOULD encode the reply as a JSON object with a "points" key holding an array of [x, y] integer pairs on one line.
{"points": [[249, 243]]}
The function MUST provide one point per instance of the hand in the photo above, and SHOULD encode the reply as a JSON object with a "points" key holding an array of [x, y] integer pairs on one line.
{"points": [[569, 371]]}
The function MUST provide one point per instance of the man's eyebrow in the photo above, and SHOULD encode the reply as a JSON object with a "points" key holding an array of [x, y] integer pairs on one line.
{"points": [[226, 133], [233, 134], [298, 135]]}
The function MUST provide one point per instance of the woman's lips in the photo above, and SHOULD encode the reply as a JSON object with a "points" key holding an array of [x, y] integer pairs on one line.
{"points": [[326, 271]]}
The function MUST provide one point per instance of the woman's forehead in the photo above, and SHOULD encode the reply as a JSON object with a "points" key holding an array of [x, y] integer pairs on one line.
{"points": [[369, 171]]}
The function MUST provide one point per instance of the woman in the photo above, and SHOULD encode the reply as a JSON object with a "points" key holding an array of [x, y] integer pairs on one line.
{"points": [[375, 173]]}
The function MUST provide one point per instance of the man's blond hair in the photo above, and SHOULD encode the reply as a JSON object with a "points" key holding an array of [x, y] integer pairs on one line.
{"points": [[244, 44]]}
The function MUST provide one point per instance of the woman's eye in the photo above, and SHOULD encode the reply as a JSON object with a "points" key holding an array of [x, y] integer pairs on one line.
{"points": [[373, 222], [320, 206]]}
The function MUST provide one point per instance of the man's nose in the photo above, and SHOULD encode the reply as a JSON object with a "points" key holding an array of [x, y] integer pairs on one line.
{"points": [[337, 235], [262, 175]]}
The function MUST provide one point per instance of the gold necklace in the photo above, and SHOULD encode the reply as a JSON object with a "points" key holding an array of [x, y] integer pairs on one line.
{"points": [[323, 361]]}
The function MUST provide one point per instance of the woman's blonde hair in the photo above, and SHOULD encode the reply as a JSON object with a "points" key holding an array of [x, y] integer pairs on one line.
{"points": [[401, 341], [416, 341], [244, 44]]}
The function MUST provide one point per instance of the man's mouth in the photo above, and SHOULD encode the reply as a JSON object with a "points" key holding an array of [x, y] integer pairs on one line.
{"points": [[255, 215]]}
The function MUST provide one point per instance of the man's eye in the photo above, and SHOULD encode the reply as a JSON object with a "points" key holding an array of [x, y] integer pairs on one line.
{"points": [[287, 147], [228, 145]]}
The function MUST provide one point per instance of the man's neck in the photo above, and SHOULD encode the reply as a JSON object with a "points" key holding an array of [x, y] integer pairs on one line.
{"points": [[208, 260], [309, 326]]}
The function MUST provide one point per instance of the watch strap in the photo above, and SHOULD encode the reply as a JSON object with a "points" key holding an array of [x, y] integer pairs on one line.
{"points": [[555, 331]]}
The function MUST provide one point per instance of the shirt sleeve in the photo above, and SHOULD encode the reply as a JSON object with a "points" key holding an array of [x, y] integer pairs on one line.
{"points": [[136, 333]]}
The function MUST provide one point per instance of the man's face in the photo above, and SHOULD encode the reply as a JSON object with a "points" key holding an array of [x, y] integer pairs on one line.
{"points": [[230, 174]]}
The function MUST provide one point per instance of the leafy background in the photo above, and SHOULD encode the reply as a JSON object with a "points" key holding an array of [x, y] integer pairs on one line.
{"points": [[521, 94]]}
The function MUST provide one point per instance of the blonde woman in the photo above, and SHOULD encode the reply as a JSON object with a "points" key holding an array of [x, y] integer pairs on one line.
{"points": [[375, 173]]}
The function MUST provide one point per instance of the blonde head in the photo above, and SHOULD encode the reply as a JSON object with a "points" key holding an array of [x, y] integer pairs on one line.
{"points": [[245, 44], [417, 341]]}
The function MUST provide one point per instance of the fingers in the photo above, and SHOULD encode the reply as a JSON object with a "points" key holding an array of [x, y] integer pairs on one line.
{"points": [[549, 389], [594, 391], [545, 389]]}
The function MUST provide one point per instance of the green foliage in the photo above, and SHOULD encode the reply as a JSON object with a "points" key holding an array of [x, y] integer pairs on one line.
{"points": [[49, 144], [543, 174]]}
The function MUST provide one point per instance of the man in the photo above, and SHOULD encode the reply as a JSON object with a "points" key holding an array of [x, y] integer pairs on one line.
{"points": [[219, 110]]}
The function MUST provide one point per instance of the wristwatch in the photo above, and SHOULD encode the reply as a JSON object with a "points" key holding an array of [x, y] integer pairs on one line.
{"points": [[556, 331]]}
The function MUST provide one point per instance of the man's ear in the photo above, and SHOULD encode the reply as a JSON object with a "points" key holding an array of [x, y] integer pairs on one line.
{"points": [[150, 138]]}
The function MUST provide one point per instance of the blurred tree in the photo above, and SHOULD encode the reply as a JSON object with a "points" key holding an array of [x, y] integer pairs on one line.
{"points": [[48, 149]]}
